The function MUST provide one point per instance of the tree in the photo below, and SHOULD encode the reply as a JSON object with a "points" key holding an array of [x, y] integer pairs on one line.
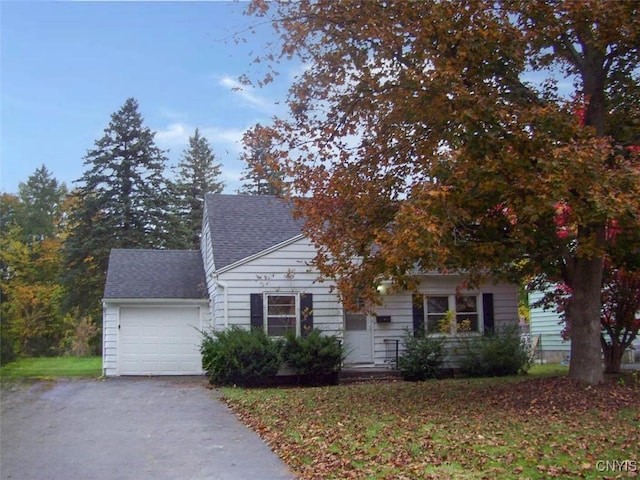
{"points": [[31, 316], [423, 133], [261, 176], [620, 315], [30, 264], [9, 206], [41, 198], [9, 211], [121, 202], [197, 175]]}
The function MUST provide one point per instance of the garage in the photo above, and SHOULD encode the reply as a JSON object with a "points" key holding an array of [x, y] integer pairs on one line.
{"points": [[155, 305], [159, 341]]}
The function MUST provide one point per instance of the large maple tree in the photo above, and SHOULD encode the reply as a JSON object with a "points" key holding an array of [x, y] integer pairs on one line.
{"points": [[479, 136]]}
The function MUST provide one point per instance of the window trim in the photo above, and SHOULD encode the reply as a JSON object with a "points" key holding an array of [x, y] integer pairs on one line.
{"points": [[265, 312]]}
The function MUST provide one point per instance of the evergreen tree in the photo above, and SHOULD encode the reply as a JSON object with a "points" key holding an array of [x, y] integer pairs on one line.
{"points": [[41, 199], [122, 202], [261, 175], [197, 174], [9, 211]]}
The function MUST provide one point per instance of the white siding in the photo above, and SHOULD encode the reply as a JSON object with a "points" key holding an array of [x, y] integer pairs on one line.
{"points": [[206, 250], [546, 325], [505, 303], [283, 270], [287, 270], [110, 316], [399, 307]]}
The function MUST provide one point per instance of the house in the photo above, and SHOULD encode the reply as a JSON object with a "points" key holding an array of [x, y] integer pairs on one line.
{"points": [[546, 332], [255, 268]]}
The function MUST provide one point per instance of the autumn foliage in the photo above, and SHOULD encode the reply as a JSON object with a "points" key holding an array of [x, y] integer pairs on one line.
{"points": [[448, 429], [620, 315], [486, 137]]}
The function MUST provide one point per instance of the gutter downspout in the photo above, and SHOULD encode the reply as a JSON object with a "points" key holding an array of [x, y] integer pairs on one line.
{"points": [[225, 300]]}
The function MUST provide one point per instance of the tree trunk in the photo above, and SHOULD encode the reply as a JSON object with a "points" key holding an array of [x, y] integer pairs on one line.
{"points": [[613, 357], [583, 316]]}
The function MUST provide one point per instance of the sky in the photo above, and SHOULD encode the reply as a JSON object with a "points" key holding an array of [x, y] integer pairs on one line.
{"points": [[66, 67]]}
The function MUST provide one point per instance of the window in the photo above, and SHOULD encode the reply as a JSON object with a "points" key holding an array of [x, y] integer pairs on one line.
{"points": [[467, 313], [281, 314], [436, 309], [466, 309], [356, 320]]}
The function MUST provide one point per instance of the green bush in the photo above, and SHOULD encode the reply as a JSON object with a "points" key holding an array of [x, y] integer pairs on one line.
{"points": [[239, 357], [422, 357], [8, 350], [494, 354], [316, 357]]}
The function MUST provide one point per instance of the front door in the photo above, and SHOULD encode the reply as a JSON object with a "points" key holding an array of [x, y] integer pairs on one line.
{"points": [[358, 338]]}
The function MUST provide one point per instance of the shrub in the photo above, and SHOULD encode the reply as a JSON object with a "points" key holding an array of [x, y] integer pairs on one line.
{"points": [[239, 357], [422, 357], [7, 346], [315, 357], [79, 336], [494, 354]]}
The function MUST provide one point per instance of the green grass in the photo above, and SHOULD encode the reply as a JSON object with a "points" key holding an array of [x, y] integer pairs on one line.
{"points": [[540, 425], [47, 367], [548, 370]]}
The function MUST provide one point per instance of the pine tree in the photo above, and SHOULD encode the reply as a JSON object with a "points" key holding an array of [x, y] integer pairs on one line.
{"points": [[261, 175], [41, 199], [197, 174], [122, 202]]}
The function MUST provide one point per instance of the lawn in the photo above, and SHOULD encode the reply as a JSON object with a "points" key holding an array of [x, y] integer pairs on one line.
{"points": [[540, 426], [46, 367]]}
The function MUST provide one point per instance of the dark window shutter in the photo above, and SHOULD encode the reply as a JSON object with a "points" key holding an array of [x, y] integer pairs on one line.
{"points": [[306, 313], [418, 315], [257, 310], [487, 312]]}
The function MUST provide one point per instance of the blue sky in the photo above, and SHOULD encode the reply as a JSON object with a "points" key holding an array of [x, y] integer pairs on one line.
{"points": [[65, 67]]}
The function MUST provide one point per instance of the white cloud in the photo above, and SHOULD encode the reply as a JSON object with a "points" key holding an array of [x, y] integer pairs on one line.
{"points": [[174, 135], [177, 135], [230, 138]]}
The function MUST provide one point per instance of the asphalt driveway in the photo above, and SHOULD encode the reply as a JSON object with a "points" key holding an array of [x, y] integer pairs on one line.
{"points": [[127, 428]]}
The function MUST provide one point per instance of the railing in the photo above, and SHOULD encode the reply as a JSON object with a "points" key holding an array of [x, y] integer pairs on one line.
{"points": [[392, 352]]}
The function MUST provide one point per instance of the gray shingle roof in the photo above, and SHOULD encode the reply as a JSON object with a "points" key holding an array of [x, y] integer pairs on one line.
{"points": [[155, 274], [243, 225]]}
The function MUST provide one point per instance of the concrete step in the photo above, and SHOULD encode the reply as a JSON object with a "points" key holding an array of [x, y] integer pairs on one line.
{"points": [[364, 375]]}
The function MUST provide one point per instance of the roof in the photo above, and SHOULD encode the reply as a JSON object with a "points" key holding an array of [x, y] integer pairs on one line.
{"points": [[155, 274], [244, 225]]}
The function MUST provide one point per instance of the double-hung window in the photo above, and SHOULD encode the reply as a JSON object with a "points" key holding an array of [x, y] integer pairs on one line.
{"points": [[281, 314], [465, 313]]}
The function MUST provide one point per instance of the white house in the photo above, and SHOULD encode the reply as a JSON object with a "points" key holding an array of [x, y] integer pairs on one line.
{"points": [[255, 268]]}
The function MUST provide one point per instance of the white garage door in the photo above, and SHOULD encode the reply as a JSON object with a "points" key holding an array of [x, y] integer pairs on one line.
{"points": [[159, 341]]}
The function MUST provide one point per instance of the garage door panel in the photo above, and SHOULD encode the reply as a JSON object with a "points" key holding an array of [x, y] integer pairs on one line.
{"points": [[159, 341]]}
